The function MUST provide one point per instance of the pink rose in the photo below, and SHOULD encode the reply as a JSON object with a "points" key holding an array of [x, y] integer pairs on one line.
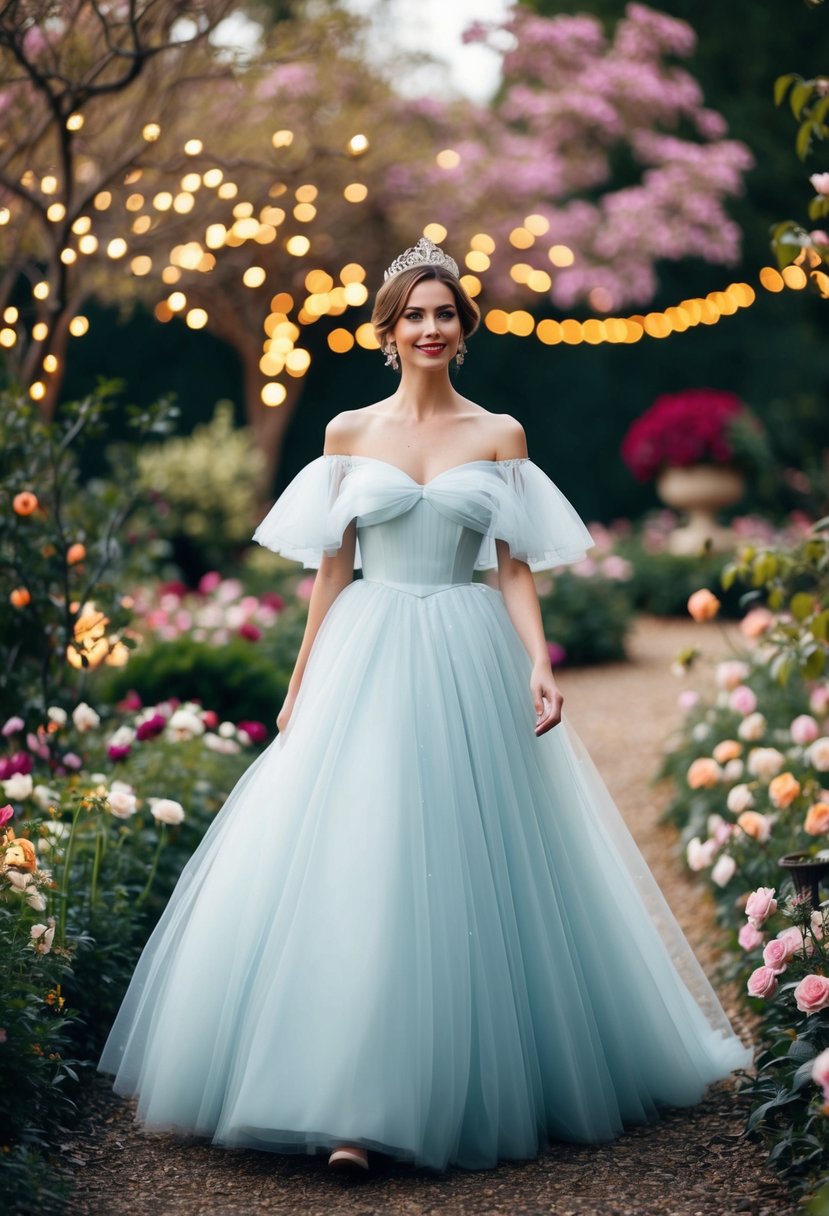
{"points": [[6, 813], [760, 905], [762, 982], [749, 937], [742, 700], [755, 623], [804, 729], [819, 699], [688, 700], [792, 939], [820, 182], [776, 955], [731, 672], [812, 994]]}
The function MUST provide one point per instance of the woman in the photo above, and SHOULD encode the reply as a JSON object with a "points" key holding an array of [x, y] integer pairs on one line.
{"points": [[445, 945]]}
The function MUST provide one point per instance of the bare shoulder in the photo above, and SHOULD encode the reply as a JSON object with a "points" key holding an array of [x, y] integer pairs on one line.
{"points": [[509, 438], [343, 431]]}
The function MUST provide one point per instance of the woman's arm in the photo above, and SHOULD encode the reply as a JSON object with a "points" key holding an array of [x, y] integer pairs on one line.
{"points": [[521, 598], [335, 573]]}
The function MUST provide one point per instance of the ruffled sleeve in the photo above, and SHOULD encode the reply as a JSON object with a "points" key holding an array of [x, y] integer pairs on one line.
{"points": [[303, 523], [540, 525]]}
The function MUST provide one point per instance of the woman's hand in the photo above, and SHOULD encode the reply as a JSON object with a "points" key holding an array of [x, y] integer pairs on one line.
{"points": [[547, 698], [284, 715]]}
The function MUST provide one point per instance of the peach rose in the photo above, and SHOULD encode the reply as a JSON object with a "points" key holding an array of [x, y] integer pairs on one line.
{"points": [[812, 994], [75, 553], [704, 774], [760, 905], [703, 605], [729, 749], [24, 503], [731, 672], [20, 597], [755, 825], [776, 955], [755, 623], [762, 982], [783, 790], [817, 819]]}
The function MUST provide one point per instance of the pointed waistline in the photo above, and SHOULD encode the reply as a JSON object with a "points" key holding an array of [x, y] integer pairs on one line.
{"points": [[421, 591]]}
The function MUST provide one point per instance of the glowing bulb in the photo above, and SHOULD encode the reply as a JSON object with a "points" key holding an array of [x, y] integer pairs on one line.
{"points": [[304, 212], [537, 225], [273, 394], [102, 200], [366, 337], [213, 178], [482, 243], [193, 147], [10, 314], [435, 232], [477, 260], [74, 122], [561, 255], [117, 247], [254, 276], [448, 159], [40, 331], [7, 337], [40, 290], [81, 225], [353, 272], [191, 182], [78, 326], [355, 192], [88, 243], [68, 257], [282, 139], [55, 212], [340, 341], [355, 294], [50, 364], [176, 301], [141, 265], [37, 391], [357, 145], [151, 132], [521, 238], [297, 246], [49, 184], [196, 318], [163, 201]]}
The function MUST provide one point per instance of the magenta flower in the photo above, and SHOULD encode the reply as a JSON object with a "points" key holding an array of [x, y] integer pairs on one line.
{"points": [[249, 631], [6, 813], [118, 751], [257, 732], [150, 727]]}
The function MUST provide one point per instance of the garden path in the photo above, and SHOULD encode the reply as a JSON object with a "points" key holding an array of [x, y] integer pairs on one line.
{"points": [[693, 1163]]}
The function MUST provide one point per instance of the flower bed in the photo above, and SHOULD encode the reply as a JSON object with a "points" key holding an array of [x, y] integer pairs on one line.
{"points": [[750, 768]]}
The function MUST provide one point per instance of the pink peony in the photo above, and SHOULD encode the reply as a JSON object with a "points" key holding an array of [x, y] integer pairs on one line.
{"points": [[804, 729], [762, 982], [819, 699], [775, 955], [743, 700], [209, 582], [812, 994], [117, 751], [760, 905], [749, 937]]}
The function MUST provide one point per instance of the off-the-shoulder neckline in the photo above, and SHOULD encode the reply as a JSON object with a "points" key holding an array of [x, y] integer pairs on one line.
{"points": [[466, 464]]}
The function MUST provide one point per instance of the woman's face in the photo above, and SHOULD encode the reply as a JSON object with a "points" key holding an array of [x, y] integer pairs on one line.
{"points": [[428, 331]]}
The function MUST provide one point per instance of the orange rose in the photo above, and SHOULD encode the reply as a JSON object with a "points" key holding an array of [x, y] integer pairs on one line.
{"points": [[25, 502], [20, 597], [704, 774], [75, 553], [817, 819], [754, 825], [729, 749], [783, 789], [703, 605]]}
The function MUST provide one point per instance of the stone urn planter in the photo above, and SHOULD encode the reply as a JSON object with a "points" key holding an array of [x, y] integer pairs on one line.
{"points": [[807, 872], [701, 490]]}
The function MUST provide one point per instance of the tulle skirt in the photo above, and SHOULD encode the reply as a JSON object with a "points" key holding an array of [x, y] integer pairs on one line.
{"points": [[414, 926]]}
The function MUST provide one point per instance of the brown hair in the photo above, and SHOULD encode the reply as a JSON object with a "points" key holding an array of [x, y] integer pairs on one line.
{"points": [[390, 300]]}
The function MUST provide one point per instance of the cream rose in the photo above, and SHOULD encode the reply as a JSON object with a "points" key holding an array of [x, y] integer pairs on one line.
{"points": [[121, 803], [85, 717], [739, 799], [752, 727], [765, 762], [18, 786], [723, 870], [818, 754], [166, 810]]}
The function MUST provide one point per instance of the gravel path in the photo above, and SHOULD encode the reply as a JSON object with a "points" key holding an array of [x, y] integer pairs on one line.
{"points": [[693, 1163]]}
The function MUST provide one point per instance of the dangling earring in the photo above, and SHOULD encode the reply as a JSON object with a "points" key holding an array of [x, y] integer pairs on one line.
{"points": [[391, 356], [461, 353]]}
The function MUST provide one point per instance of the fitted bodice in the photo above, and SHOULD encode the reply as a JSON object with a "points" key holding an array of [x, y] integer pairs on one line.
{"points": [[421, 551]]}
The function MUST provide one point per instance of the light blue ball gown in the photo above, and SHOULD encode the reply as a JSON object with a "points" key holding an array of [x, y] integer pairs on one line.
{"points": [[415, 926]]}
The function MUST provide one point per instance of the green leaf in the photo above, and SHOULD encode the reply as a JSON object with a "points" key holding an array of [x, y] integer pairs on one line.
{"points": [[800, 96], [728, 576], [782, 85], [803, 142], [820, 625], [801, 605], [814, 665]]}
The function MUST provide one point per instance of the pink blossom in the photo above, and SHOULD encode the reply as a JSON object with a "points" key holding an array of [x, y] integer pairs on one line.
{"points": [[762, 982], [819, 699], [820, 182], [117, 751], [6, 813], [249, 631], [557, 653], [688, 699], [804, 729], [209, 582], [756, 622], [743, 700], [812, 993], [73, 761], [256, 731], [792, 938], [775, 956], [820, 1072], [749, 937], [13, 726], [760, 905], [724, 870], [150, 727]]}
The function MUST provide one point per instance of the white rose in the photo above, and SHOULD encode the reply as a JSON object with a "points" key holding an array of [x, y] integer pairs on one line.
{"points": [[733, 770], [53, 833], [185, 724], [55, 714], [227, 730], [752, 727], [122, 737], [42, 936], [44, 797], [699, 854], [121, 787], [765, 762], [701, 731], [724, 869], [819, 754], [85, 717], [166, 810], [739, 799], [18, 786], [122, 804], [36, 899], [215, 743]]}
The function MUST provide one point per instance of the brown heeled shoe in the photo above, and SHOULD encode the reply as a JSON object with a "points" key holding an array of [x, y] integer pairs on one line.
{"points": [[347, 1157]]}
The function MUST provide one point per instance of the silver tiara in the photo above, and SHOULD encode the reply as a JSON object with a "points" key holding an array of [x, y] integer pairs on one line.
{"points": [[424, 253]]}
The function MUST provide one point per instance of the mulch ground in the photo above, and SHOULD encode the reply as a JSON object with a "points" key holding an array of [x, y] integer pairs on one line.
{"points": [[692, 1163]]}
